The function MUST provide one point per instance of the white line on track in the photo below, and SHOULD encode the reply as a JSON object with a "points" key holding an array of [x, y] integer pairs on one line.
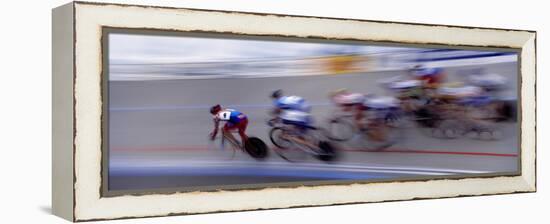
{"points": [[293, 166]]}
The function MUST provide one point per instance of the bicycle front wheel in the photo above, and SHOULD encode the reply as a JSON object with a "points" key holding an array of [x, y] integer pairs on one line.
{"points": [[340, 130], [275, 137]]}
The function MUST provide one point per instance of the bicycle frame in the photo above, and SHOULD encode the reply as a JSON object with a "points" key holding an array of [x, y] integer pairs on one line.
{"points": [[234, 143], [311, 147]]}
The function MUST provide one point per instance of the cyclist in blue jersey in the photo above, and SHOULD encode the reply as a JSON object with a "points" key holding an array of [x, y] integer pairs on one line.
{"points": [[291, 109], [294, 113], [233, 120], [289, 102]]}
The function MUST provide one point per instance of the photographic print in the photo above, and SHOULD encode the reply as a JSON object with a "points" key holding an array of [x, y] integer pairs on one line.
{"points": [[170, 111], [192, 111]]}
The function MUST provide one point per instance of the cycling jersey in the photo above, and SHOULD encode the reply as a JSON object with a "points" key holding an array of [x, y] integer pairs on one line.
{"points": [[405, 84], [349, 98], [294, 117], [487, 80], [230, 116], [476, 100], [381, 102], [459, 92], [381, 107], [428, 72], [430, 75], [291, 103]]}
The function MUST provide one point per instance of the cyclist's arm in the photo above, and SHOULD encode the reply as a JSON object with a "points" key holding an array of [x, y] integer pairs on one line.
{"points": [[275, 111], [216, 127]]}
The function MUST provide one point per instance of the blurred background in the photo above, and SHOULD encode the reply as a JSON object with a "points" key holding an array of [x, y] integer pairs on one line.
{"points": [[162, 87]]}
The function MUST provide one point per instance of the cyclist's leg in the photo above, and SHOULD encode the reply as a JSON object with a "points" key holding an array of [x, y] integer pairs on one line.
{"points": [[349, 107], [358, 110], [227, 132], [376, 126], [301, 128], [375, 131], [242, 130]]}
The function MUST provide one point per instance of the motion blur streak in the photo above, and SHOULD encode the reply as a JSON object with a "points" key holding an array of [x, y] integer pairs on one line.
{"points": [[161, 90]]}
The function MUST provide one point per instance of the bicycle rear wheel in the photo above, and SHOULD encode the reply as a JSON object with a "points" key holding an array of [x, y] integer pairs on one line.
{"points": [[391, 135], [256, 148], [327, 152], [449, 129]]}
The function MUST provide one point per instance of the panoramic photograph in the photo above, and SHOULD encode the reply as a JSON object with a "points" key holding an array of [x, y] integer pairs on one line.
{"points": [[208, 112]]}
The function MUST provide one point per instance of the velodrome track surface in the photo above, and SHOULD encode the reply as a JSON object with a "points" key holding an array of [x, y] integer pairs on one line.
{"points": [[158, 135]]}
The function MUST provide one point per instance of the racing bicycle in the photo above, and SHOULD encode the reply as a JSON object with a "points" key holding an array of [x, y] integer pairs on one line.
{"points": [[378, 134], [254, 147], [295, 145]]}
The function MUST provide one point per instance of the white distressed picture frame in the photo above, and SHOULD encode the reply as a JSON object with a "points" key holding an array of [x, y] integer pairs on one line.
{"points": [[77, 103]]}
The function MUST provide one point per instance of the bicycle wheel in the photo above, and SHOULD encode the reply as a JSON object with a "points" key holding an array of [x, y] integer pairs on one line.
{"points": [[291, 154], [391, 136], [327, 152], [449, 129], [275, 137], [426, 118], [340, 130], [256, 148], [486, 132]]}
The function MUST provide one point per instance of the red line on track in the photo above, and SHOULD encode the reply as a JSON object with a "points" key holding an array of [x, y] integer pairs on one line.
{"points": [[200, 148]]}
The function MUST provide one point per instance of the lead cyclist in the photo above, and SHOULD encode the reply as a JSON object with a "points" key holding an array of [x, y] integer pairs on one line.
{"points": [[233, 120]]}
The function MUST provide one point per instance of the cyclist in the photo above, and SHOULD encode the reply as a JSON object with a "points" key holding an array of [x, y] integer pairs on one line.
{"points": [[488, 81], [284, 103], [233, 120], [410, 93], [501, 108], [431, 77], [350, 102], [379, 110], [289, 102], [294, 112]]}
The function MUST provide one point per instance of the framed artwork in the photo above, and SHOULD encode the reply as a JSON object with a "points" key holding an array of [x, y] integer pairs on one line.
{"points": [[169, 111]]}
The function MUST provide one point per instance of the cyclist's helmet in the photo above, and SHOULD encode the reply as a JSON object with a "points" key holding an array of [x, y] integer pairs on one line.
{"points": [[277, 94], [215, 109]]}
